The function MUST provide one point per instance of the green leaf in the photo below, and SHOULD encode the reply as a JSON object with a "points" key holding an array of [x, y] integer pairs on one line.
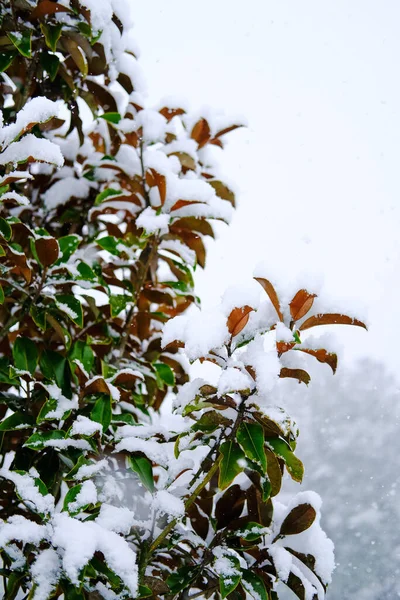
{"points": [[70, 306], [106, 194], [86, 272], [71, 497], [22, 42], [251, 531], [251, 439], [38, 315], [254, 585], [17, 421], [101, 412], [51, 34], [82, 461], [144, 591], [37, 440], [25, 354], [6, 59], [50, 63], [2, 297], [55, 366], [68, 244], [165, 373], [182, 578], [210, 421], [111, 117], [293, 464], [82, 352], [118, 303], [5, 229], [229, 582], [125, 418], [143, 467], [230, 466], [110, 244]]}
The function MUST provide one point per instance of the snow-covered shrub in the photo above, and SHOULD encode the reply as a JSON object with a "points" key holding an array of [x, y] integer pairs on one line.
{"points": [[105, 205]]}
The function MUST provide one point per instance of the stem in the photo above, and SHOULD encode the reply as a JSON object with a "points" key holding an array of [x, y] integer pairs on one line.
{"points": [[188, 504]]}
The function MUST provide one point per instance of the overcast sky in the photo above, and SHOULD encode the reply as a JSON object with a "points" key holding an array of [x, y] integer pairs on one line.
{"points": [[317, 168]]}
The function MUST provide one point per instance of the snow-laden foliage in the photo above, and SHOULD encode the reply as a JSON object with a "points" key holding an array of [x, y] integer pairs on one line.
{"points": [[105, 204], [352, 424]]}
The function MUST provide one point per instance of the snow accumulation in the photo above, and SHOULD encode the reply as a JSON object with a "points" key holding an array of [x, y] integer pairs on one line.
{"points": [[84, 426], [37, 110], [167, 503], [152, 222], [77, 542], [40, 149], [201, 332], [63, 190]]}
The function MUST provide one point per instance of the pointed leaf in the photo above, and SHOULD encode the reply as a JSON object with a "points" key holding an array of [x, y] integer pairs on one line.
{"points": [[165, 373], [101, 412], [37, 440], [301, 304], [70, 306], [5, 229], [230, 466], [47, 250], [323, 356], [17, 421], [299, 519], [22, 42], [273, 296], [230, 579], [201, 132], [25, 354], [293, 464], [330, 319], [238, 319], [251, 439], [68, 244], [299, 374], [254, 585], [143, 467]]}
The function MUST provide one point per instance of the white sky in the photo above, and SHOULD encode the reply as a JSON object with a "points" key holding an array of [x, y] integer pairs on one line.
{"points": [[317, 168]]}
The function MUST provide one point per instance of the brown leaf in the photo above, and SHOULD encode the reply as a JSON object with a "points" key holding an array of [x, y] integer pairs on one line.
{"points": [[283, 347], [238, 319], [194, 242], [98, 386], [181, 203], [330, 319], [187, 162], [223, 191], [299, 519], [301, 304], [274, 472], [227, 130], [126, 379], [201, 132], [273, 296], [153, 178], [48, 250], [47, 7], [299, 374], [77, 55], [170, 113], [229, 506], [193, 224], [323, 356], [53, 123], [199, 522]]}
